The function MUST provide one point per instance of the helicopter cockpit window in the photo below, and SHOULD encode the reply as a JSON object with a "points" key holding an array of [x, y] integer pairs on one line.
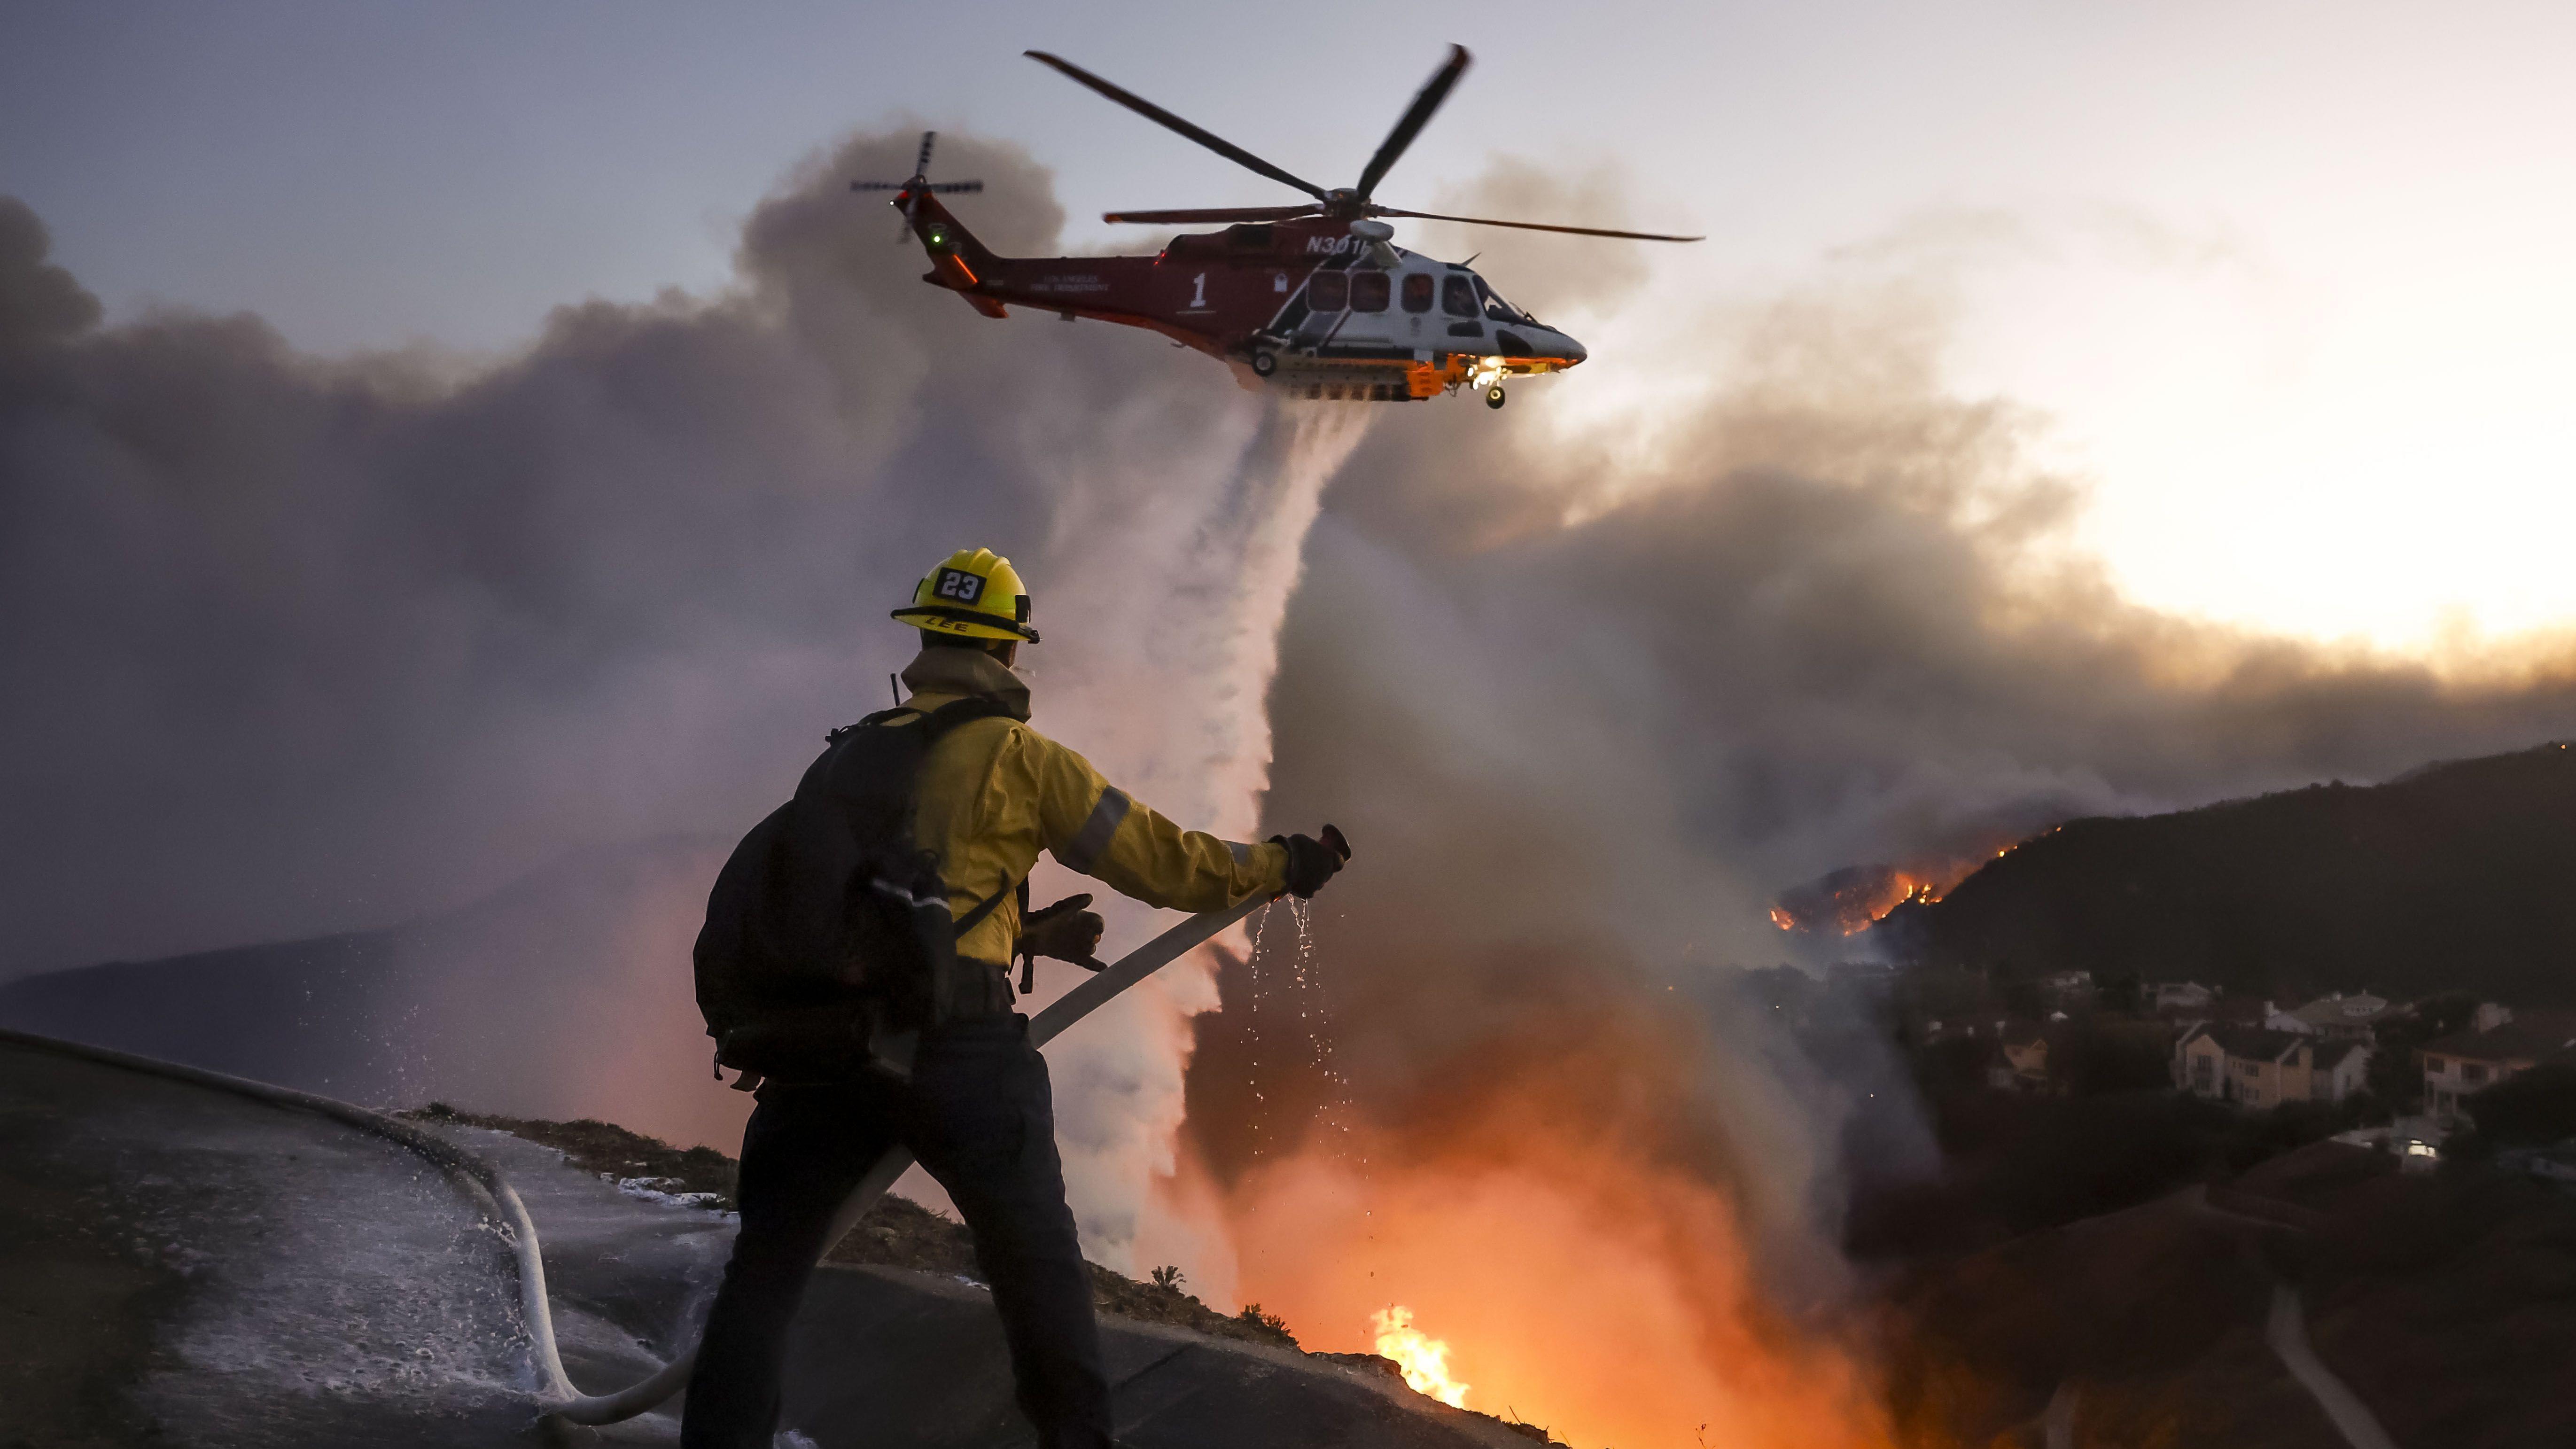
{"points": [[1498, 310], [1370, 291], [1458, 296], [1417, 291], [1328, 291]]}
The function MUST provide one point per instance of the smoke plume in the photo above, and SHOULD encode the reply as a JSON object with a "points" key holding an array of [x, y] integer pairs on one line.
{"points": [[1586, 698], [305, 645]]}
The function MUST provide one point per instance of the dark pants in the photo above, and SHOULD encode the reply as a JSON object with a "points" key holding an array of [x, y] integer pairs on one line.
{"points": [[981, 1117]]}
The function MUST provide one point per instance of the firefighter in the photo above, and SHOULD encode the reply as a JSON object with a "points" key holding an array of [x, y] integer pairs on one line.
{"points": [[977, 1109]]}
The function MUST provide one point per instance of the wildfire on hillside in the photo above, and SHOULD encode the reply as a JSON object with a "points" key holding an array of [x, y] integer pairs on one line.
{"points": [[1849, 901]]}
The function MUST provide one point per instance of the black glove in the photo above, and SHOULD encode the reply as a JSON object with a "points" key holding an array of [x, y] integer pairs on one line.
{"points": [[1064, 932], [1312, 862]]}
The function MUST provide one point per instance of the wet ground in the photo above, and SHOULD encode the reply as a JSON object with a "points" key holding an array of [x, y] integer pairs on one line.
{"points": [[187, 1268], [180, 1266]]}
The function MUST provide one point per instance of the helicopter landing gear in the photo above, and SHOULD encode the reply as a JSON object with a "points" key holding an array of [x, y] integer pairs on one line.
{"points": [[1494, 396], [1264, 364]]}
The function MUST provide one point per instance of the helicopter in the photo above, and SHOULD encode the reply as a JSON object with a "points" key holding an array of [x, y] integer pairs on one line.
{"points": [[1314, 299]]}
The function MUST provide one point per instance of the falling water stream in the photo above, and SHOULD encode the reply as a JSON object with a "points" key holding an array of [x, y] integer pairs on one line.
{"points": [[1300, 998]]}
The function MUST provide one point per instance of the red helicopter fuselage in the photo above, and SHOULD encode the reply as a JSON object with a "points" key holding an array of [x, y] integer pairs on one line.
{"points": [[1317, 307]]}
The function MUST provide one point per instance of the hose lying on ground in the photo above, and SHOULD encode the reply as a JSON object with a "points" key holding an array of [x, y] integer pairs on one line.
{"points": [[488, 1188], [559, 1399]]}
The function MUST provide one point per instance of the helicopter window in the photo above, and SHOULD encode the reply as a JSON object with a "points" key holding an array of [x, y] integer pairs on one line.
{"points": [[1497, 309], [1328, 291], [1458, 296], [1417, 291], [1370, 291]]}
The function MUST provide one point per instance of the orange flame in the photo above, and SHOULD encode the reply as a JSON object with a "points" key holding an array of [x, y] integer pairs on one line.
{"points": [[1850, 901], [1591, 1290], [1424, 1359]]}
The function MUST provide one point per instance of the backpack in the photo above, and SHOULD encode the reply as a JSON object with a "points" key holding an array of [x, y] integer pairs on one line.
{"points": [[828, 947]]}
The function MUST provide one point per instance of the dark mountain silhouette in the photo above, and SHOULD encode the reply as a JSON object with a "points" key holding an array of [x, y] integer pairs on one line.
{"points": [[2458, 877], [567, 994]]}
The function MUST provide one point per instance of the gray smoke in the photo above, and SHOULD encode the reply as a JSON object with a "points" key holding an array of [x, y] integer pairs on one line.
{"points": [[1586, 716], [302, 645]]}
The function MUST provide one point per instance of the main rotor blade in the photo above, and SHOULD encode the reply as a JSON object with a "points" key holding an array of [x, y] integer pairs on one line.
{"points": [[1217, 213], [879, 185], [1535, 226], [1415, 116], [1161, 117], [922, 166]]}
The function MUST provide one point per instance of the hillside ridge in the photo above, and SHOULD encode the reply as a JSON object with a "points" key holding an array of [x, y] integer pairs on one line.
{"points": [[2450, 877]]}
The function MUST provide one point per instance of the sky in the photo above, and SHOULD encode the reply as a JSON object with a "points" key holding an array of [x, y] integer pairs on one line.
{"points": [[2285, 281]]}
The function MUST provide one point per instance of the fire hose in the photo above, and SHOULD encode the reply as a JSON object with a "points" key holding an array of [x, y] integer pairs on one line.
{"points": [[559, 1399]]}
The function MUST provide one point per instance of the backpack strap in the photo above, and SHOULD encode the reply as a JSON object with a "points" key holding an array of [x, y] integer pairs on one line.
{"points": [[958, 711], [936, 724], [983, 908], [834, 737]]}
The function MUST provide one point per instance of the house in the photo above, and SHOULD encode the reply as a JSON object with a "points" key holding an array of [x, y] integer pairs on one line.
{"points": [[2200, 1064], [2071, 983], [2179, 996], [2026, 1052], [2264, 1068], [2337, 1017], [2018, 1061], [2468, 1062], [2338, 1069], [2261, 1068]]}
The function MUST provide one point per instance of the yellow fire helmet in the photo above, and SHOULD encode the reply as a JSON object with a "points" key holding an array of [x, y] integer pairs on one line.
{"points": [[975, 593]]}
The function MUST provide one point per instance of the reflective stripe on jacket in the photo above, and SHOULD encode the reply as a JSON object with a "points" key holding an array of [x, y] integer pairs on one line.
{"points": [[995, 792]]}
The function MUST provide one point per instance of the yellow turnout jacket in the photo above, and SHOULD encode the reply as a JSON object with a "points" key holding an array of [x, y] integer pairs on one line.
{"points": [[995, 792]]}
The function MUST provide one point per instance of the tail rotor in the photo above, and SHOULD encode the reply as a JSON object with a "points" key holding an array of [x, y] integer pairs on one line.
{"points": [[908, 192]]}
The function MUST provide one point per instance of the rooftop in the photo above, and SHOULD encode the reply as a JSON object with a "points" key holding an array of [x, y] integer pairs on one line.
{"points": [[2528, 1037], [2328, 1010], [2253, 1042]]}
